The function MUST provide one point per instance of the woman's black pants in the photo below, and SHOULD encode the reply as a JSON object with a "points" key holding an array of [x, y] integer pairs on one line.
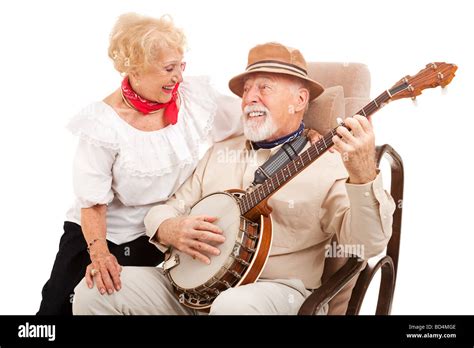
{"points": [[71, 262]]}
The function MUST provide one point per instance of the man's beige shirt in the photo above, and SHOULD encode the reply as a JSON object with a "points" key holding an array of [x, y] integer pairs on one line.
{"points": [[307, 212]]}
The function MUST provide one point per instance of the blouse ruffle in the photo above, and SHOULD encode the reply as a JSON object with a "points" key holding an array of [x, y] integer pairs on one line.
{"points": [[154, 153]]}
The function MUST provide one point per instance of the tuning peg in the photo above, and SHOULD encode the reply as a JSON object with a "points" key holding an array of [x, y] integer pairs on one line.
{"points": [[415, 101], [444, 90]]}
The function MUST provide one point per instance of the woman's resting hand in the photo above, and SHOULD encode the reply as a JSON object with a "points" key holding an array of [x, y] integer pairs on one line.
{"points": [[104, 270]]}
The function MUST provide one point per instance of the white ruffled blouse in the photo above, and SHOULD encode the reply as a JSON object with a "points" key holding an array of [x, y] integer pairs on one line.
{"points": [[132, 170]]}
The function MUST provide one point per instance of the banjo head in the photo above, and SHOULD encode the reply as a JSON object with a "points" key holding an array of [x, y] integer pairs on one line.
{"points": [[191, 273]]}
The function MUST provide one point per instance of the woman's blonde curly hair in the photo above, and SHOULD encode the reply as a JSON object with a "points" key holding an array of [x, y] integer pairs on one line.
{"points": [[136, 40]]}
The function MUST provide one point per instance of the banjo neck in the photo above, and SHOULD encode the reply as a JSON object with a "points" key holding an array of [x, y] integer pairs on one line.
{"points": [[253, 204]]}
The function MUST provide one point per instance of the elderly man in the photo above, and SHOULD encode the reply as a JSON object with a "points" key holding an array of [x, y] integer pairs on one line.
{"points": [[339, 194]]}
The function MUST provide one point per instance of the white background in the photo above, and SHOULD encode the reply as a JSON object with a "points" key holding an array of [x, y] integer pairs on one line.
{"points": [[54, 61]]}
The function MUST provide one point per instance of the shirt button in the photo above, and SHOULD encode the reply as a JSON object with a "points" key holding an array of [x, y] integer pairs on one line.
{"points": [[366, 194]]}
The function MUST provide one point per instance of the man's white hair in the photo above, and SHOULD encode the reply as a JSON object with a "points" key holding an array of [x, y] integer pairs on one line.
{"points": [[295, 86]]}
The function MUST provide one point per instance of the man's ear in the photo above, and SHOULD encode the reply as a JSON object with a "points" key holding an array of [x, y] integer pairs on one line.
{"points": [[303, 99]]}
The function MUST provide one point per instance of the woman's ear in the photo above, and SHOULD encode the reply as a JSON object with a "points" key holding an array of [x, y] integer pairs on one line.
{"points": [[134, 78]]}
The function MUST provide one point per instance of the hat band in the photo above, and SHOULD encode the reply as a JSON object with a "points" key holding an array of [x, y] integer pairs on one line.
{"points": [[274, 64]]}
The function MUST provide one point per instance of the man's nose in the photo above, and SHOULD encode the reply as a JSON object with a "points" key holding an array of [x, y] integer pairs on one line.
{"points": [[251, 96]]}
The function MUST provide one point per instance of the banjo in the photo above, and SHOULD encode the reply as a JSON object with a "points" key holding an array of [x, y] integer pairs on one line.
{"points": [[245, 217]]}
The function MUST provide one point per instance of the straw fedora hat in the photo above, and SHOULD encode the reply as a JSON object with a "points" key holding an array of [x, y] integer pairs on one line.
{"points": [[276, 58]]}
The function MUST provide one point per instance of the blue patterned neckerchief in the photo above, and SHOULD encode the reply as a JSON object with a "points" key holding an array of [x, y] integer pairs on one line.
{"points": [[271, 144]]}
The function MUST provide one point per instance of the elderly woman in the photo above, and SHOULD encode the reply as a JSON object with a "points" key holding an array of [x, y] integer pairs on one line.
{"points": [[136, 147]]}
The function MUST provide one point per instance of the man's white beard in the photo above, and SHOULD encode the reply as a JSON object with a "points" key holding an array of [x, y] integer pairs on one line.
{"points": [[256, 129]]}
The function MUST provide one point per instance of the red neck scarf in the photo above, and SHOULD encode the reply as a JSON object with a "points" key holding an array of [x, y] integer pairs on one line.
{"points": [[146, 106]]}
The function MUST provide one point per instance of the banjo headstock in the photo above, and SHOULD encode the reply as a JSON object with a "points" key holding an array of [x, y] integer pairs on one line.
{"points": [[434, 75]]}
